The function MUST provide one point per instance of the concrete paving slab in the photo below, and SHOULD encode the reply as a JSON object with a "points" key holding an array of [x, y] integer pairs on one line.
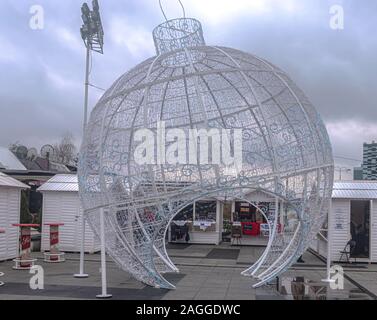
{"points": [[200, 278]]}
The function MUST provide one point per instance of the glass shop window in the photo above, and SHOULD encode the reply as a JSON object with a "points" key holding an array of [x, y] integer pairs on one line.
{"points": [[205, 211], [185, 214], [360, 228], [245, 212], [268, 209]]}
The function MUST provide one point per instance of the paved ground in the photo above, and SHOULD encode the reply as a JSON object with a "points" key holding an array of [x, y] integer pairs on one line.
{"points": [[206, 272]]}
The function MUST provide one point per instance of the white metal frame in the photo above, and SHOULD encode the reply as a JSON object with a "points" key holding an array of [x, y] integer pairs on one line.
{"points": [[329, 246], [104, 294], [286, 151]]}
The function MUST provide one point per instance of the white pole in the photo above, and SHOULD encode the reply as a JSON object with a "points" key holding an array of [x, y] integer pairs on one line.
{"points": [[104, 294], [86, 102], [81, 274], [329, 244]]}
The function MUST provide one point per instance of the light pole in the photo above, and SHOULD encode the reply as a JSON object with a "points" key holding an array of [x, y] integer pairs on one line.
{"points": [[92, 35], [340, 171]]}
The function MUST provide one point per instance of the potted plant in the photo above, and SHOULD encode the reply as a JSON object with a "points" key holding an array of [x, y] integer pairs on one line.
{"points": [[227, 230]]}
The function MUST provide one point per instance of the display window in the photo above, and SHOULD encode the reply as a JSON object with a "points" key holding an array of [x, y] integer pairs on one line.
{"points": [[197, 217], [246, 212], [205, 211], [252, 218], [360, 228], [182, 225], [205, 216], [186, 214]]}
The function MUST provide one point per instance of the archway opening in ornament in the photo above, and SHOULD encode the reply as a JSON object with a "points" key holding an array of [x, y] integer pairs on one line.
{"points": [[223, 223], [204, 221]]}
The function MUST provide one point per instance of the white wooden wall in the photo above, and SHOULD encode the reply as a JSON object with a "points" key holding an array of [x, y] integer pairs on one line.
{"points": [[10, 202], [205, 237], [64, 207], [340, 220]]}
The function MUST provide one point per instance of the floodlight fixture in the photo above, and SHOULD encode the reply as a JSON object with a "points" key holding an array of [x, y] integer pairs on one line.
{"points": [[92, 30], [95, 6], [85, 10]]}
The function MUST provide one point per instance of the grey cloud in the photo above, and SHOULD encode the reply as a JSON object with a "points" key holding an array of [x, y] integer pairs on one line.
{"points": [[41, 91]]}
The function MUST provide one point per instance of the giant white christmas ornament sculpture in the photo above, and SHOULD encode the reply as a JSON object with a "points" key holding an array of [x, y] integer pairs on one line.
{"points": [[189, 85]]}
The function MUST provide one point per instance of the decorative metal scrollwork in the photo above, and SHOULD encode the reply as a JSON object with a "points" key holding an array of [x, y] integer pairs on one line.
{"points": [[188, 85]]}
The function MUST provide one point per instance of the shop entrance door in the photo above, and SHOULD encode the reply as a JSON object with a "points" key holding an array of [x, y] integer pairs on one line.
{"points": [[360, 228]]}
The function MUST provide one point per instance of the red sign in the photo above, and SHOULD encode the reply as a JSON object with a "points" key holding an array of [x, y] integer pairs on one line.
{"points": [[54, 242], [25, 244], [251, 228], [54, 238]]}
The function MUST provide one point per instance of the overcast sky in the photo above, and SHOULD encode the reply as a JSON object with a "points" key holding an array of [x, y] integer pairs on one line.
{"points": [[42, 71]]}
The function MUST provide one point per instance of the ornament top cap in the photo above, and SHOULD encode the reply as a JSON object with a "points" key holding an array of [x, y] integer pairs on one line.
{"points": [[178, 34]]}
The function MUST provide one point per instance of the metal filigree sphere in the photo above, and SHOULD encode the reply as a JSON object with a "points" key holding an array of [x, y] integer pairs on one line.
{"points": [[285, 151]]}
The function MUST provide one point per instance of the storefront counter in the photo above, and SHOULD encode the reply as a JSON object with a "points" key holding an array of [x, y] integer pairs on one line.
{"points": [[250, 228]]}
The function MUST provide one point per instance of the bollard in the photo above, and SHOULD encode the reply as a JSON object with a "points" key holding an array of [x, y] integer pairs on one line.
{"points": [[54, 256], [24, 261]]}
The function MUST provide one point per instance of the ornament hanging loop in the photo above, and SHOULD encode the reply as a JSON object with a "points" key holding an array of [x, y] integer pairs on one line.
{"points": [[163, 11]]}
